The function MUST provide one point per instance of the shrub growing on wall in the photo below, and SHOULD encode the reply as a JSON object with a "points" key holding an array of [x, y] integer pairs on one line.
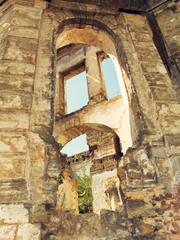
{"points": [[85, 198]]}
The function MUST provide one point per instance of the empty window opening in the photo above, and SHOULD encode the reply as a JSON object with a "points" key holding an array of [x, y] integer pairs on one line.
{"points": [[110, 78], [75, 146], [76, 92]]}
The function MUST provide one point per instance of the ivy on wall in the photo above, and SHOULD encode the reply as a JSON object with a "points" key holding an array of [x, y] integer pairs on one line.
{"points": [[61, 175]]}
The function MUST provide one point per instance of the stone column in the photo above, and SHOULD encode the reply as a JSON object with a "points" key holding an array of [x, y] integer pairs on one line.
{"points": [[60, 102], [96, 86]]}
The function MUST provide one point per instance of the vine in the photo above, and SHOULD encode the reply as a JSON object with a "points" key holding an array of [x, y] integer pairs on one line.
{"points": [[61, 175]]}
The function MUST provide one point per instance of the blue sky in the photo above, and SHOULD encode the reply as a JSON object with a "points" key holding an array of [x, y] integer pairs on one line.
{"points": [[110, 78], [77, 97], [77, 92]]}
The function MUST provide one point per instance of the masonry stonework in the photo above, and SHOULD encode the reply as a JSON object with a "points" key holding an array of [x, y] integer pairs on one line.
{"points": [[134, 138]]}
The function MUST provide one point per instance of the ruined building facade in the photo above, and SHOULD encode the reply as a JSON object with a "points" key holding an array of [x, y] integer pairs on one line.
{"points": [[134, 138]]}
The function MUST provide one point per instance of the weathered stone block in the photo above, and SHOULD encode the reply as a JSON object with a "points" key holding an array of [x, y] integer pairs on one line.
{"points": [[5, 17], [69, 123], [15, 101], [158, 152], [145, 56], [13, 213], [28, 232], [121, 173], [42, 102], [128, 46], [12, 168], [40, 4], [16, 54], [7, 232], [137, 28], [134, 174], [27, 45], [25, 3], [109, 163], [142, 46], [17, 31], [110, 218], [138, 207], [142, 37], [173, 144], [18, 85], [157, 79], [165, 17], [146, 229], [67, 196], [14, 190], [26, 16], [170, 125], [19, 68], [167, 109], [41, 118], [165, 94], [164, 170], [38, 168], [14, 121], [37, 152], [176, 164], [153, 68], [120, 31], [21, 83], [13, 144], [38, 214]]}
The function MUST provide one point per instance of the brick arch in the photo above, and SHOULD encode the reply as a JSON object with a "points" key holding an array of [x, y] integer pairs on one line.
{"points": [[100, 116], [72, 132], [82, 22], [97, 25]]}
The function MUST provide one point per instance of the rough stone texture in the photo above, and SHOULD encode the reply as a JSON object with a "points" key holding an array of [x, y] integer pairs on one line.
{"points": [[168, 21], [28, 231], [13, 213], [80, 162], [31, 34]]}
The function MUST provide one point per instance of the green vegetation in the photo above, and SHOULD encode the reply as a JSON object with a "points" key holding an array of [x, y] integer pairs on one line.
{"points": [[61, 175], [85, 198]]}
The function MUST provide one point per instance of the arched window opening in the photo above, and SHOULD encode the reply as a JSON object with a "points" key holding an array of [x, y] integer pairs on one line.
{"points": [[110, 78], [75, 146], [103, 121]]}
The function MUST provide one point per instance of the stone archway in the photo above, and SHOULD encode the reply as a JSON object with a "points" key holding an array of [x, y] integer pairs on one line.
{"points": [[147, 123], [30, 156], [105, 39], [98, 115]]}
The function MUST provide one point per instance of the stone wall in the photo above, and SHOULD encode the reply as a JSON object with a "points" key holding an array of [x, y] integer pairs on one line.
{"points": [[80, 162], [17, 78], [30, 161]]}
